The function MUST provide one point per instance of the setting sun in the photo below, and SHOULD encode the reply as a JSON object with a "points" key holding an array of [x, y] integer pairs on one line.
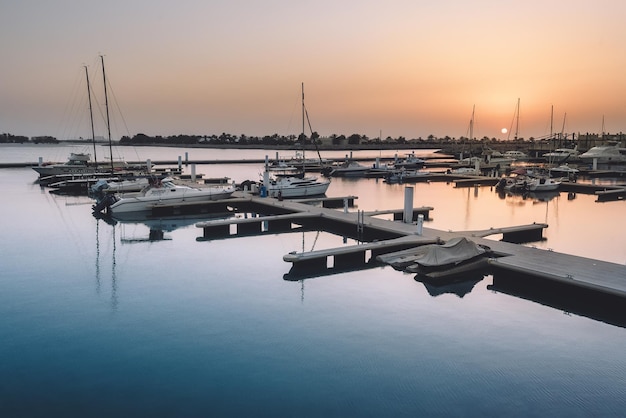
{"points": [[504, 130]]}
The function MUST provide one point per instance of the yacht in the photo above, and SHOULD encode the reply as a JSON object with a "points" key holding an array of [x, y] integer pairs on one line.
{"points": [[516, 155], [296, 187], [411, 161], [605, 154], [162, 192], [349, 169], [562, 154]]}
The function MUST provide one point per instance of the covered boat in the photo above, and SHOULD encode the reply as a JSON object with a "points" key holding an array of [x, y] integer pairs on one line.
{"points": [[437, 261]]}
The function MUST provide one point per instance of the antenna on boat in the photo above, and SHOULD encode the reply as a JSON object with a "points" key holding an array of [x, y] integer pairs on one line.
{"points": [[106, 104], [93, 134]]}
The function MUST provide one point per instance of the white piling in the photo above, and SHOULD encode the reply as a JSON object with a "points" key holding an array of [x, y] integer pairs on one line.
{"points": [[266, 179], [595, 164], [193, 172], [149, 165], [180, 163], [408, 205], [40, 161], [420, 224], [186, 158], [345, 205]]}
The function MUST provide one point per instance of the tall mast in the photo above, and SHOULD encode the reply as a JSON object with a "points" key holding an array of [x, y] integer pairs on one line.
{"points": [[517, 123], [471, 136], [602, 137], [93, 134], [106, 104], [303, 136], [551, 120]]}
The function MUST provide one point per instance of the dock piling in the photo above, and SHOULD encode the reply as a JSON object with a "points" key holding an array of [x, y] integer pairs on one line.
{"points": [[420, 224], [408, 205]]}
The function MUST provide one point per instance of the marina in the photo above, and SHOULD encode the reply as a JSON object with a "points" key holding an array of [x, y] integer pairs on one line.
{"points": [[197, 302]]}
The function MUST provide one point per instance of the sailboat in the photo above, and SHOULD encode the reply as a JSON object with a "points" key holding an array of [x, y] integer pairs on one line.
{"points": [[79, 164], [297, 185]]}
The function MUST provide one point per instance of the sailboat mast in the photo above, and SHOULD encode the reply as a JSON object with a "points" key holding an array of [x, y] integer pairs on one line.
{"points": [[106, 104], [471, 135], [303, 136], [93, 134], [303, 110], [517, 123], [551, 120]]}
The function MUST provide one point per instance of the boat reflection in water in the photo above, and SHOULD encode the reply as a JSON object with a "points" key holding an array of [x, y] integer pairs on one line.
{"points": [[157, 225], [461, 286]]}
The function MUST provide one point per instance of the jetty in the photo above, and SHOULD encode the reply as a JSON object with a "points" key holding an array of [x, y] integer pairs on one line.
{"points": [[379, 236]]}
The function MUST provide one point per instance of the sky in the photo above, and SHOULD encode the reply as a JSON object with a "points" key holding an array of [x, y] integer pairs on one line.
{"points": [[389, 68]]}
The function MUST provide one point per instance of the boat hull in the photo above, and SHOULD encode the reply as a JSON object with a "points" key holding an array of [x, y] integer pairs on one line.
{"points": [[168, 197], [297, 189]]}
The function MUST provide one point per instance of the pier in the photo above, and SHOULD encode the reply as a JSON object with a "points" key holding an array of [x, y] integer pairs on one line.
{"points": [[379, 236]]}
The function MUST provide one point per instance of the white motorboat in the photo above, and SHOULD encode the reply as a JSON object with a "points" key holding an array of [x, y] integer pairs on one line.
{"points": [[349, 169], [494, 157], [295, 187], [522, 183], [516, 155], [542, 184], [564, 170], [605, 154], [411, 161], [562, 155], [120, 185], [162, 192], [406, 176], [468, 171]]}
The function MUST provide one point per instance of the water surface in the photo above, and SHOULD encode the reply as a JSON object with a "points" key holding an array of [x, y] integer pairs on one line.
{"points": [[100, 320]]}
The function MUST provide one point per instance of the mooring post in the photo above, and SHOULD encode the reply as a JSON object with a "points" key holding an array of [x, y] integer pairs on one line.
{"points": [[186, 158], [40, 161], [193, 172], [420, 223], [595, 163], [148, 165], [408, 205], [180, 163], [266, 179], [345, 205]]}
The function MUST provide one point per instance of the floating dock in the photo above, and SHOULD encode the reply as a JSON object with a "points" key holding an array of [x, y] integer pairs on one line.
{"points": [[378, 236]]}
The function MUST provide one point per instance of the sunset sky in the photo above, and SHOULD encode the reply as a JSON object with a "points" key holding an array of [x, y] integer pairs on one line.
{"points": [[407, 68]]}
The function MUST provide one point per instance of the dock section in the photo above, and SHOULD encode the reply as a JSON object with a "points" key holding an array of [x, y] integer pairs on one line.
{"points": [[380, 235]]}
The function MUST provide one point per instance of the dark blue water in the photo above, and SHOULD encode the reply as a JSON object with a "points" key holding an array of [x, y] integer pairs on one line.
{"points": [[98, 320]]}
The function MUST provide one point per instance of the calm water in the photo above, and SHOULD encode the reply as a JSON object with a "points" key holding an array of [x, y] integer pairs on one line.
{"points": [[99, 320]]}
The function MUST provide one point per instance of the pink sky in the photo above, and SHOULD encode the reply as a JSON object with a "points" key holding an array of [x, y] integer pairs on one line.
{"points": [[404, 68]]}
